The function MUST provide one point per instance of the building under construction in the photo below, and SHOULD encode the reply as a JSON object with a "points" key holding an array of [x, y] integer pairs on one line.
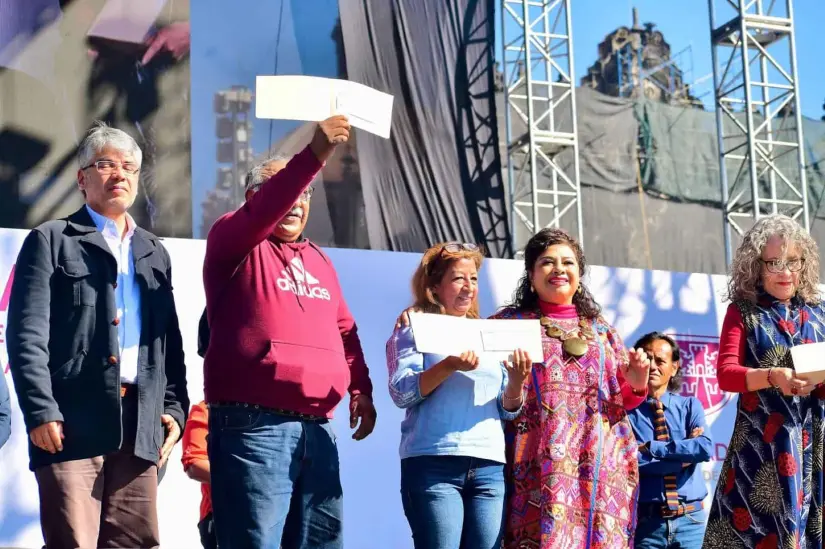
{"points": [[650, 191], [636, 62]]}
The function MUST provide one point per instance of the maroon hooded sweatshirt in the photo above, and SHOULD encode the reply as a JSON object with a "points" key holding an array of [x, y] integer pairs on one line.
{"points": [[281, 334]]}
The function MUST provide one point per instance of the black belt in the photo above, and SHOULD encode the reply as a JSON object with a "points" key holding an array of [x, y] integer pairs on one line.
{"points": [[276, 411], [661, 510]]}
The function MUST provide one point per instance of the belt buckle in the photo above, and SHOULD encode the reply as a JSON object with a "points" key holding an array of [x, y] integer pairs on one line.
{"points": [[669, 513]]}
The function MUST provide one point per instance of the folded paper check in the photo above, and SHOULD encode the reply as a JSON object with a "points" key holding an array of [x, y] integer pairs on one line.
{"points": [[313, 99], [497, 339], [809, 361]]}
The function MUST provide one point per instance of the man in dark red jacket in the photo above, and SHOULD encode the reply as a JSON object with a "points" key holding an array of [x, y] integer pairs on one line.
{"points": [[283, 350]]}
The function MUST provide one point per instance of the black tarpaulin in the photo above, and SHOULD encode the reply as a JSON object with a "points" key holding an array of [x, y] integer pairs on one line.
{"points": [[438, 177]]}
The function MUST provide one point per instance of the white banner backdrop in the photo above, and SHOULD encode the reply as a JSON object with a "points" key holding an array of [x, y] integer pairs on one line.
{"points": [[376, 286]]}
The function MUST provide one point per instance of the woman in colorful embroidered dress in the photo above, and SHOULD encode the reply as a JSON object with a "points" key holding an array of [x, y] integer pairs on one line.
{"points": [[572, 461], [452, 438], [769, 492]]}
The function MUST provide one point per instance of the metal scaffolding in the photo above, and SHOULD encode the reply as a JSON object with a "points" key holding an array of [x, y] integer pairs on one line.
{"points": [[758, 113], [540, 118], [233, 129]]}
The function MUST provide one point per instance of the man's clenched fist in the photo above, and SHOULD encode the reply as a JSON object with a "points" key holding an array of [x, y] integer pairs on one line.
{"points": [[331, 132]]}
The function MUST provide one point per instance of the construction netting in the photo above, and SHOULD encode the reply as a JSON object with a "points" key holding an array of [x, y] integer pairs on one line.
{"points": [[651, 192]]}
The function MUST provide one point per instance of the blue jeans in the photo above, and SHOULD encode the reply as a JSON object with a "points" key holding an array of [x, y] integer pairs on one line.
{"points": [[453, 502], [275, 481], [685, 532]]}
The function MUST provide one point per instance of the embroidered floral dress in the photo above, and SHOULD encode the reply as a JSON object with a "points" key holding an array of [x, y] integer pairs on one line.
{"points": [[572, 464], [769, 493]]}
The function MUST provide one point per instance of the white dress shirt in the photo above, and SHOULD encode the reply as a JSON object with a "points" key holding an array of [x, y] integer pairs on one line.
{"points": [[127, 293]]}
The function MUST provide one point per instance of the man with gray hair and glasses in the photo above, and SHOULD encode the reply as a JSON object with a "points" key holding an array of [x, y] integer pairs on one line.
{"points": [[283, 352], [97, 359]]}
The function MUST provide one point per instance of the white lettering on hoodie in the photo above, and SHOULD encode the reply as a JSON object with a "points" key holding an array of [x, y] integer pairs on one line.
{"points": [[301, 283]]}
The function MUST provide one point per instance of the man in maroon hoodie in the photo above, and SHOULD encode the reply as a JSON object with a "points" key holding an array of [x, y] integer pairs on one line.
{"points": [[283, 351]]}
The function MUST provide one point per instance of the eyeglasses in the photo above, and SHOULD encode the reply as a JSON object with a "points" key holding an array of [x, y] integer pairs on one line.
{"points": [[106, 167], [779, 265]]}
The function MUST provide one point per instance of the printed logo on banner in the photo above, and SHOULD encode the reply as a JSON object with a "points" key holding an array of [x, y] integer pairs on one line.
{"points": [[699, 355]]}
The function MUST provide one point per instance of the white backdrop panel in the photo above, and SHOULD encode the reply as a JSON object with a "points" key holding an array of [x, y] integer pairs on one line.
{"points": [[377, 288]]}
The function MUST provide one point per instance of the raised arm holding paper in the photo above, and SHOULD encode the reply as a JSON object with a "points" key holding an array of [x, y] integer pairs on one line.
{"points": [[283, 352]]}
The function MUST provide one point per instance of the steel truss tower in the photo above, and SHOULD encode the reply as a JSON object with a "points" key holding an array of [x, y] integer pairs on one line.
{"points": [[540, 118], [758, 114]]}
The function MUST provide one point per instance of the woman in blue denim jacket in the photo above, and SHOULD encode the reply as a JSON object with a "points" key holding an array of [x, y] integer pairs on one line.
{"points": [[452, 438]]}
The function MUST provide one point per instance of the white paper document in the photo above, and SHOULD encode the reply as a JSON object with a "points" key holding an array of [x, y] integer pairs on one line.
{"points": [[312, 99], [809, 361], [497, 339]]}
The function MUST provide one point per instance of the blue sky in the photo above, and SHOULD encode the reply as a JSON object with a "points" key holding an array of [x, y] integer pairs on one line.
{"points": [[231, 45], [687, 24]]}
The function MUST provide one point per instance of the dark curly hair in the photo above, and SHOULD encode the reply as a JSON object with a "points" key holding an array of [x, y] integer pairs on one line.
{"points": [[525, 299], [675, 383]]}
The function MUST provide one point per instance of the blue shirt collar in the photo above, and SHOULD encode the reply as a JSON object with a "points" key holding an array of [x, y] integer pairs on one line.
{"points": [[108, 228], [665, 400]]}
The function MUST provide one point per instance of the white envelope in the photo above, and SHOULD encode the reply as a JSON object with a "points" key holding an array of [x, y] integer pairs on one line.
{"points": [[312, 99], [497, 339], [809, 361], [366, 108]]}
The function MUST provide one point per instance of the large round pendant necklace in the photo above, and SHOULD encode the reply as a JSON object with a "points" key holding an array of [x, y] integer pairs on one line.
{"points": [[575, 346], [573, 342]]}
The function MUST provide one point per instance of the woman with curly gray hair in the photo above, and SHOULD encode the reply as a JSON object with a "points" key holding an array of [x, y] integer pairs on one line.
{"points": [[769, 492]]}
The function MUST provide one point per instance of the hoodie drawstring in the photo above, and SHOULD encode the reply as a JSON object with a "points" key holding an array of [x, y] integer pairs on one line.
{"points": [[290, 273], [298, 293]]}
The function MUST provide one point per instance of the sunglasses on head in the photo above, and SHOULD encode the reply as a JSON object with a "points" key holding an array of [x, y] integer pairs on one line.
{"points": [[453, 248]]}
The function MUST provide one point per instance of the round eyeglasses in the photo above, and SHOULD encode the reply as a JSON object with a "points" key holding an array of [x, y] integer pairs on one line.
{"points": [[779, 265]]}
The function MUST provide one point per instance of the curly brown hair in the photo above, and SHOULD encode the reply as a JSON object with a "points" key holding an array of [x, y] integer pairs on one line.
{"points": [[525, 299], [746, 269], [434, 264]]}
